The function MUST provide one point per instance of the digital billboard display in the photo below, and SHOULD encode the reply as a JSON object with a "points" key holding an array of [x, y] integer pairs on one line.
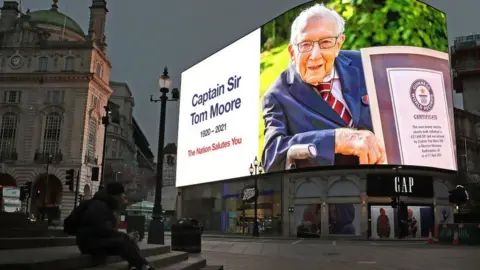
{"points": [[327, 83]]}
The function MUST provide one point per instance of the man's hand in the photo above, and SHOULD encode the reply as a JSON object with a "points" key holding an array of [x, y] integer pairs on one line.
{"points": [[134, 236], [360, 143]]}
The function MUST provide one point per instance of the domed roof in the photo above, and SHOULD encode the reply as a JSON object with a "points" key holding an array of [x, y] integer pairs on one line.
{"points": [[55, 18]]}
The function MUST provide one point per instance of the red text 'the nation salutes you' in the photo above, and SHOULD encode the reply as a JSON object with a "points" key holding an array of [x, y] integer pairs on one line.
{"points": [[214, 147]]}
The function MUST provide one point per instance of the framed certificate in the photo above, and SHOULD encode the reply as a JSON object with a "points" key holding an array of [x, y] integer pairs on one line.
{"points": [[411, 104]]}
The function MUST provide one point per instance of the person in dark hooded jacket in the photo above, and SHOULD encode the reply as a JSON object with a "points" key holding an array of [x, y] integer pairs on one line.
{"points": [[341, 218], [97, 233]]}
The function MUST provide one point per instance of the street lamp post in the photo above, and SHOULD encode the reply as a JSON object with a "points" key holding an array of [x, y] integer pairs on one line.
{"points": [[105, 122], [291, 209], [45, 196], [156, 234], [256, 169]]}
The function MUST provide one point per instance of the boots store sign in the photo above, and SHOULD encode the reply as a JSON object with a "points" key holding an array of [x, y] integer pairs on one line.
{"points": [[249, 194], [393, 185]]}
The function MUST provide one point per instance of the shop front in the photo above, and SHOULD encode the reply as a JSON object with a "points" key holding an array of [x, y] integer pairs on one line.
{"points": [[337, 202], [416, 192], [222, 206], [357, 202], [240, 211], [324, 203]]}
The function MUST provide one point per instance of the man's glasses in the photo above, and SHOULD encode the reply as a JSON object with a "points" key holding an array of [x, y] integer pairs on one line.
{"points": [[326, 43]]}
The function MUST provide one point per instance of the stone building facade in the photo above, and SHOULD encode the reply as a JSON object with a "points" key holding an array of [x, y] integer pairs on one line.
{"points": [[322, 202], [120, 163], [54, 80]]}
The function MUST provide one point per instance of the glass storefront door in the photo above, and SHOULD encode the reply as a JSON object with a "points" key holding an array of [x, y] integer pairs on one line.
{"points": [[219, 208], [240, 215]]}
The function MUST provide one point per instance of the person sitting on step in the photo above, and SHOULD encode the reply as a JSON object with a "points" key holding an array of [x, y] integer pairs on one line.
{"points": [[98, 234]]}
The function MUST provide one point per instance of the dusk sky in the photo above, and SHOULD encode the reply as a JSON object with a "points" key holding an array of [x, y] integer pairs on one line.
{"points": [[146, 35]]}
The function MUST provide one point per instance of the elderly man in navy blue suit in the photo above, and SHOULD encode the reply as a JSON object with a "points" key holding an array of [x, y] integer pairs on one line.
{"points": [[320, 100]]}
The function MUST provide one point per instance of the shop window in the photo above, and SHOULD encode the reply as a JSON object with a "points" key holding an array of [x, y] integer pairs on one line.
{"points": [[308, 220], [230, 214], [384, 221], [344, 218], [445, 212]]}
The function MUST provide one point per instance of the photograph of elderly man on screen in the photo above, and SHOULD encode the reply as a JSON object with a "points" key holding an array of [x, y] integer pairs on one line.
{"points": [[315, 105]]}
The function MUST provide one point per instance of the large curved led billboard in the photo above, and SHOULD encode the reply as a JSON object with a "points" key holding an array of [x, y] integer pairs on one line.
{"points": [[331, 83]]}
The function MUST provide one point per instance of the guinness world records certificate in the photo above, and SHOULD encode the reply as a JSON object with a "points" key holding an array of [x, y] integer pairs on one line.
{"points": [[421, 113], [411, 105]]}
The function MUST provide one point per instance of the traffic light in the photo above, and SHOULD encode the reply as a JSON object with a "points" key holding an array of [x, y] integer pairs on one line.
{"points": [[459, 195], [95, 173], [28, 188], [23, 195], [393, 203], [69, 178], [25, 191]]}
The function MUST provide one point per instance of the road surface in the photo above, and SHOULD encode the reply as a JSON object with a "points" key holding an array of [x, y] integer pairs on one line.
{"points": [[253, 254]]}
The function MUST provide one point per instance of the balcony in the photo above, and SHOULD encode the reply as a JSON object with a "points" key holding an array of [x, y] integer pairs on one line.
{"points": [[44, 158], [91, 160], [8, 156], [467, 67]]}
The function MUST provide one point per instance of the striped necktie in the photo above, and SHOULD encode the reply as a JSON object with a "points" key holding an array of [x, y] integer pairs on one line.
{"points": [[324, 90]]}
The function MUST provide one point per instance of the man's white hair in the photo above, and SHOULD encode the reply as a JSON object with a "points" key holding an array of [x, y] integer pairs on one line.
{"points": [[315, 11]]}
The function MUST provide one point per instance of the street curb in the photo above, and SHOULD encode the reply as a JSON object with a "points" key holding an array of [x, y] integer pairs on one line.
{"points": [[327, 238]]}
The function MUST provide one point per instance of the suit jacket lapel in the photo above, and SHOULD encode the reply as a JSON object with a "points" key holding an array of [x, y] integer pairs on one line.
{"points": [[350, 81], [305, 94]]}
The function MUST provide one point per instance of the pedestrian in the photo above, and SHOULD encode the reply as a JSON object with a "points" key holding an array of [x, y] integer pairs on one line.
{"points": [[98, 234]]}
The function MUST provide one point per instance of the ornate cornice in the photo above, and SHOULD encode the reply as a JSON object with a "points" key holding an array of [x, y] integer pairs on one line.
{"points": [[102, 55], [45, 77], [51, 45], [102, 84]]}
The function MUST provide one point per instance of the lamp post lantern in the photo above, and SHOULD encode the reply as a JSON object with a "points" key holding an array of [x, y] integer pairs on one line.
{"points": [[156, 234], [256, 169]]}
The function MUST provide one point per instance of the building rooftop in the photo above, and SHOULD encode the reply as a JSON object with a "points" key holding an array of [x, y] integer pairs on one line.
{"points": [[141, 141], [170, 149], [54, 17], [467, 42]]}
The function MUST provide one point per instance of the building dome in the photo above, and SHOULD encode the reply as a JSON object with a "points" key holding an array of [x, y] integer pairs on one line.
{"points": [[55, 18]]}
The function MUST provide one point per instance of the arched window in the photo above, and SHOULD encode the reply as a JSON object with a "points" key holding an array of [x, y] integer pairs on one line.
{"points": [[43, 63], [8, 133], [170, 160], [51, 133], [92, 137], [70, 63]]}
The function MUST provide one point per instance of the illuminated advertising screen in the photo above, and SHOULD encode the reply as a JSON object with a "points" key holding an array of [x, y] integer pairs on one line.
{"points": [[327, 83]]}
